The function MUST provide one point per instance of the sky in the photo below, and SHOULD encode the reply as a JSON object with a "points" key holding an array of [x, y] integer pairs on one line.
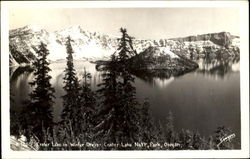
{"points": [[144, 23]]}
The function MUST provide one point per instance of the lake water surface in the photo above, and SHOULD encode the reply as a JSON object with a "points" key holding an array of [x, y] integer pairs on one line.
{"points": [[201, 100]]}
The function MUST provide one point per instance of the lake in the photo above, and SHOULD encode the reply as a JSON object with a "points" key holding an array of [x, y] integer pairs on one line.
{"points": [[200, 100]]}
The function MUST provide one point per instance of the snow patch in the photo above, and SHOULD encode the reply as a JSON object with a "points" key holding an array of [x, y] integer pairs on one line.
{"points": [[166, 51], [236, 42]]}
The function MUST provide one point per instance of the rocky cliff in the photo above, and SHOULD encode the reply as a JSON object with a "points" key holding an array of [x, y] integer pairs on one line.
{"points": [[222, 38], [95, 46]]}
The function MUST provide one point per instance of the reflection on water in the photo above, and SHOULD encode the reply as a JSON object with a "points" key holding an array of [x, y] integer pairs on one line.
{"points": [[201, 100], [162, 83], [156, 81], [21, 77], [215, 68], [218, 67]]}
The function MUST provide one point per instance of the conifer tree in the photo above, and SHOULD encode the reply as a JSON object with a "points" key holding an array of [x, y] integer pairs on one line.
{"points": [[147, 132], [127, 91], [37, 114], [119, 107], [170, 128], [71, 98], [197, 141], [108, 123], [185, 139], [87, 109]]}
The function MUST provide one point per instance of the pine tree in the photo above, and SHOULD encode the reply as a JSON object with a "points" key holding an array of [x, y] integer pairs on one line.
{"points": [[120, 117], [170, 128], [71, 104], [191, 50], [37, 114], [147, 131], [108, 123], [197, 141], [127, 91], [87, 103], [185, 139]]}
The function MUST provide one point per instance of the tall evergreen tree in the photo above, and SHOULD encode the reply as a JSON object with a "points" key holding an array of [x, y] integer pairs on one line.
{"points": [[37, 114], [121, 118], [108, 125], [71, 98], [127, 91], [87, 108]]}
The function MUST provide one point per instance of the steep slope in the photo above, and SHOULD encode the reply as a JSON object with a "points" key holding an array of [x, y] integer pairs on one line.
{"points": [[87, 44], [222, 38], [160, 61], [95, 46], [215, 44], [23, 43]]}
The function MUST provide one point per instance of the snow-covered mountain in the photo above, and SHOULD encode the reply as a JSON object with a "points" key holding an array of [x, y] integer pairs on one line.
{"points": [[92, 45], [85, 44], [25, 41]]}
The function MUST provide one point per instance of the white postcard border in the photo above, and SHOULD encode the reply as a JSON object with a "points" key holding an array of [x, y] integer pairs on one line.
{"points": [[244, 79]]}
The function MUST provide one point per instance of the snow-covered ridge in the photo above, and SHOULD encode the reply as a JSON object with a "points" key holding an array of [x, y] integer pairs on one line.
{"points": [[86, 44], [166, 51]]}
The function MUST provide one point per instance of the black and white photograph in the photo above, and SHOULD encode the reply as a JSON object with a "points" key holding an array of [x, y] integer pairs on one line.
{"points": [[124, 79]]}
